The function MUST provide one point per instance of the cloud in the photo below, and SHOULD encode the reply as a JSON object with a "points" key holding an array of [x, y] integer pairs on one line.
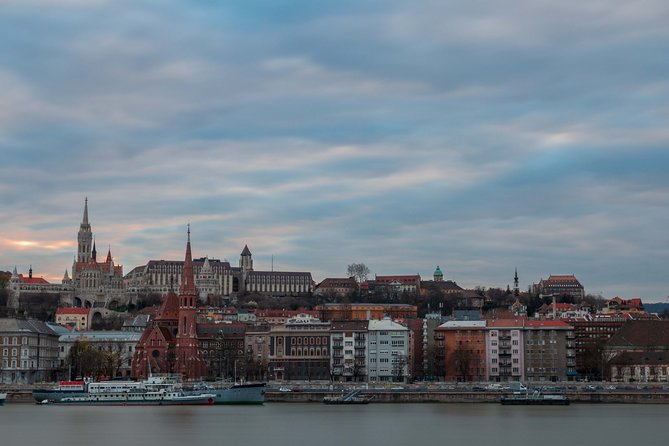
{"points": [[472, 136]]}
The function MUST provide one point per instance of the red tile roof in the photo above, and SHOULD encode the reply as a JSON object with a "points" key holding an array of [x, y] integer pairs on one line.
{"points": [[32, 279], [72, 310]]}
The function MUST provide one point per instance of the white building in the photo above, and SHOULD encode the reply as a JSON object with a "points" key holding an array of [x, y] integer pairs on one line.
{"points": [[388, 351], [122, 342]]}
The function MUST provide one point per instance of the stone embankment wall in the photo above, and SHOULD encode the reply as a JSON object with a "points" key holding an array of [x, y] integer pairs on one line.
{"points": [[469, 397]]}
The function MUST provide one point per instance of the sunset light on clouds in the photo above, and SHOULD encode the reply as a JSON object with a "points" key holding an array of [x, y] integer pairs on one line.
{"points": [[404, 135]]}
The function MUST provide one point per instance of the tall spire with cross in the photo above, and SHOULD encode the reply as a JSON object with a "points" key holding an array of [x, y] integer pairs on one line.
{"points": [[85, 237]]}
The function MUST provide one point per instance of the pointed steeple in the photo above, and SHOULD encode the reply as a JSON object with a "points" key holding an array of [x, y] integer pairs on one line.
{"points": [[84, 238], [187, 279], [85, 219], [30, 272], [206, 267], [65, 276], [15, 273], [109, 256], [94, 255]]}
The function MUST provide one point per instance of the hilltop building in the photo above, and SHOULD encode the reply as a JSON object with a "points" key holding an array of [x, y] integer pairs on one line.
{"points": [[21, 288], [216, 278], [560, 286], [96, 283]]}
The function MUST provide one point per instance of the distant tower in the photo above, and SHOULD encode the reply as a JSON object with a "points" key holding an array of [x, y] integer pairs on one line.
{"points": [[85, 237], [245, 260], [516, 289], [189, 362], [438, 275]]}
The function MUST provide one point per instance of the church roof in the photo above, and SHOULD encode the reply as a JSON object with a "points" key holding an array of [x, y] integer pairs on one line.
{"points": [[32, 279], [169, 310], [246, 251]]}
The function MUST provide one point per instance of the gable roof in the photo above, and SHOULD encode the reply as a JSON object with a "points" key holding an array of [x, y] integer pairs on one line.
{"points": [[642, 333]]}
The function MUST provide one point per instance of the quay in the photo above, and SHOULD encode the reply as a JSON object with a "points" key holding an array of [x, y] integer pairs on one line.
{"points": [[431, 393], [436, 396], [467, 393]]}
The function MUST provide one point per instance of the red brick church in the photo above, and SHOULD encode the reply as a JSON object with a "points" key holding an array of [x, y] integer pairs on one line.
{"points": [[170, 344]]}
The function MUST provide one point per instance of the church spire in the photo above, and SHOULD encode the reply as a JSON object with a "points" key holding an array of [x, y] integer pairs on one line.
{"points": [[187, 288], [84, 238], [85, 220]]}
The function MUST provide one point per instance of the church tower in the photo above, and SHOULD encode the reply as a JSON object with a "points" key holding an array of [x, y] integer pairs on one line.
{"points": [[516, 289], [85, 237], [245, 260], [189, 362]]}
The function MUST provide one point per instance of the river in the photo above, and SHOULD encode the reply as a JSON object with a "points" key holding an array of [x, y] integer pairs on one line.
{"points": [[317, 424]]}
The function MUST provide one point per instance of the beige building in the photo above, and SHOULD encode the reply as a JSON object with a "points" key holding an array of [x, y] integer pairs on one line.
{"points": [[76, 318]]}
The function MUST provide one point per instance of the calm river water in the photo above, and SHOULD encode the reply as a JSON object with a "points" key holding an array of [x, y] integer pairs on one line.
{"points": [[321, 425]]}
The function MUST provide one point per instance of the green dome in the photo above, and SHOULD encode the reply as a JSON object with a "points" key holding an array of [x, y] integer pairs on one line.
{"points": [[437, 272]]}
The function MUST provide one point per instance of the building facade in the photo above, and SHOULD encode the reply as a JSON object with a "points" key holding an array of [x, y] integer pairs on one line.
{"points": [[76, 318], [300, 350], [638, 352], [362, 312], [28, 352], [348, 351], [388, 351], [121, 343]]}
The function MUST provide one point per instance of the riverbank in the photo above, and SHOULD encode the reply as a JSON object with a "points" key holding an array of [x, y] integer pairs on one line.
{"points": [[446, 393], [432, 396]]}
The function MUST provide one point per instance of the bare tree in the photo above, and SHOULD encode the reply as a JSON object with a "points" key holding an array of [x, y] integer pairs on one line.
{"points": [[359, 271]]}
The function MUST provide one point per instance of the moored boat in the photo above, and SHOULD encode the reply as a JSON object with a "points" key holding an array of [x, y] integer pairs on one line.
{"points": [[353, 397], [139, 398], [156, 390], [64, 388], [3, 398], [536, 399], [248, 393]]}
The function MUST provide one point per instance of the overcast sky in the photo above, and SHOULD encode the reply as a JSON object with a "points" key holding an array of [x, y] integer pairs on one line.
{"points": [[403, 135]]}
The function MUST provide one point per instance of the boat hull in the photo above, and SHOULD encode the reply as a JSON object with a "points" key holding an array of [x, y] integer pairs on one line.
{"points": [[535, 401], [240, 394], [55, 395], [138, 400], [3, 398]]}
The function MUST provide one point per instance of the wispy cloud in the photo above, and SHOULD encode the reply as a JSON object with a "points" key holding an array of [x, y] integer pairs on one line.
{"points": [[471, 136]]}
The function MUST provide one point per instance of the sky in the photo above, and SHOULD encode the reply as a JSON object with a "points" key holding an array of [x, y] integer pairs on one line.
{"points": [[480, 136]]}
